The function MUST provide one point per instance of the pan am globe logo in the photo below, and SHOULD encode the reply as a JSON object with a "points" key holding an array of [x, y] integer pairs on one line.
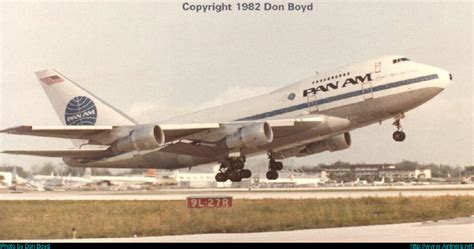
{"points": [[80, 111]]}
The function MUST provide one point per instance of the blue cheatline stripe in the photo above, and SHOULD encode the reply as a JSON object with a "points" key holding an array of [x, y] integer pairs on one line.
{"points": [[341, 97]]}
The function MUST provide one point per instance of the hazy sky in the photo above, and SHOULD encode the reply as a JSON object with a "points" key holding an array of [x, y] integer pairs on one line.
{"points": [[153, 60]]}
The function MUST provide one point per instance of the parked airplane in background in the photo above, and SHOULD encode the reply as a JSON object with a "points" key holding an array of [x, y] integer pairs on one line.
{"points": [[57, 182], [305, 118], [379, 183], [357, 182]]}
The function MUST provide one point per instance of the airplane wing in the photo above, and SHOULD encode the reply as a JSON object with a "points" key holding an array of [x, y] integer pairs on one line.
{"points": [[177, 135], [70, 132], [72, 153], [172, 131], [203, 143], [280, 127], [86, 132]]}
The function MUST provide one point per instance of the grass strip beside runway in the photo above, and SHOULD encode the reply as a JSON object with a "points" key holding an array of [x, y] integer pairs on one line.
{"points": [[96, 219]]}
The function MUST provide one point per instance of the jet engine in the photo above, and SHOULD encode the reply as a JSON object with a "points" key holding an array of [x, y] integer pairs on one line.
{"points": [[339, 142], [250, 136], [142, 138]]}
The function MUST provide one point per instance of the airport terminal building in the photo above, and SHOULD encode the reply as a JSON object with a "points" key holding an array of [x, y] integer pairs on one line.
{"points": [[377, 171]]}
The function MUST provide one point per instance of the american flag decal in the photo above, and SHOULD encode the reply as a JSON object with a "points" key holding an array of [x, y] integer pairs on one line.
{"points": [[52, 80]]}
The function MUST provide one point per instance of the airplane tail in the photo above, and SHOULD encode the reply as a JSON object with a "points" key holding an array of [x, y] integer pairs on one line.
{"points": [[75, 105], [14, 175]]}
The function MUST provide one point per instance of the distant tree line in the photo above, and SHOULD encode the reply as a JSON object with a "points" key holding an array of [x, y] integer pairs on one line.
{"points": [[468, 170], [19, 170]]}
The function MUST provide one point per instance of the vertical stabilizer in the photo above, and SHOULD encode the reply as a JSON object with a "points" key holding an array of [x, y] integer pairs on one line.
{"points": [[75, 105]]}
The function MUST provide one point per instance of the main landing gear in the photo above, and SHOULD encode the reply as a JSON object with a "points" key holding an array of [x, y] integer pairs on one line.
{"points": [[398, 135], [273, 167], [233, 169]]}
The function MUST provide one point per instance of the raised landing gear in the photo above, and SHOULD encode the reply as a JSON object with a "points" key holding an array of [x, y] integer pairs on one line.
{"points": [[399, 135], [273, 167], [233, 169]]}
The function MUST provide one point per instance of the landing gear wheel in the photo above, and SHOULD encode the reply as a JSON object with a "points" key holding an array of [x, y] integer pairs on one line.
{"points": [[232, 168], [272, 175], [237, 178], [234, 175], [221, 177], [273, 167], [399, 136], [245, 173]]}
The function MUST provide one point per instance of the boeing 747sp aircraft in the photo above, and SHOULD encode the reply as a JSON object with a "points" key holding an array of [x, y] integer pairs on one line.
{"points": [[308, 117]]}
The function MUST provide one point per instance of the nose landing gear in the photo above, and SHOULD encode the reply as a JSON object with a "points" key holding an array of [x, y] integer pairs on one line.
{"points": [[398, 135]]}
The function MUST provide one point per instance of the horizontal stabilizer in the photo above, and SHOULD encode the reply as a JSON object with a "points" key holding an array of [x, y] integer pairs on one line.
{"points": [[72, 153]]}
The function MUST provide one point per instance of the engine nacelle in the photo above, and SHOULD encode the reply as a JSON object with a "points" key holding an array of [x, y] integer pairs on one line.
{"points": [[339, 142], [250, 136], [142, 138]]}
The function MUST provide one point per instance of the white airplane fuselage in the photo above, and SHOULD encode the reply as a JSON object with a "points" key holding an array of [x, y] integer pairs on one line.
{"points": [[363, 93]]}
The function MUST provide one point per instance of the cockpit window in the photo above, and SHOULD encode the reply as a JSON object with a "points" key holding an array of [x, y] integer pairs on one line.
{"points": [[400, 60]]}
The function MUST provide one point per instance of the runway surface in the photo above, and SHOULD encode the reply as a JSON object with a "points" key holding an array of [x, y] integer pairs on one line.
{"points": [[454, 230], [270, 193]]}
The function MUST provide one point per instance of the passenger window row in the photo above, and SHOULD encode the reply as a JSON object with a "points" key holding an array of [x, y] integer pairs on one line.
{"points": [[400, 60], [332, 77]]}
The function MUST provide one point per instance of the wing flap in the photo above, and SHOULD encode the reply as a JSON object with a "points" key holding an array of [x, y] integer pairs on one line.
{"points": [[72, 153], [194, 150], [176, 131], [280, 127]]}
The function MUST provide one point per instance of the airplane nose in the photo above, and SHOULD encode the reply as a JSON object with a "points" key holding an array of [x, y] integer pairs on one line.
{"points": [[445, 78]]}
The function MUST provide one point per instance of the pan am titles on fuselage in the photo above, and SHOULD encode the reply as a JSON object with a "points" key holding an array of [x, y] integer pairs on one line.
{"points": [[334, 86]]}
